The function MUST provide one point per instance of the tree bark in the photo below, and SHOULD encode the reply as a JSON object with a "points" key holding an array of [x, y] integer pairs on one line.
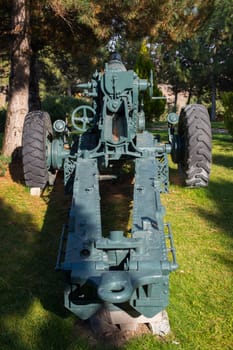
{"points": [[176, 99], [189, 96], [34, 96], [19, 78], [213, 99]]}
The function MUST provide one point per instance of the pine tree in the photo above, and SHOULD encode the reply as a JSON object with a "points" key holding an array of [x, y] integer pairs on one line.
{"points": [[19, 77]]}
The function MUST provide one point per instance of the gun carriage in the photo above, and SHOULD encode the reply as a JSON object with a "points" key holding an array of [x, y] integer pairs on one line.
{"points": [[127, 272]]}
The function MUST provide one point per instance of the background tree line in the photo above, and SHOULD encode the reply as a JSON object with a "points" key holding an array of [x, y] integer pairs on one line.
{"points": [[47, 46]]}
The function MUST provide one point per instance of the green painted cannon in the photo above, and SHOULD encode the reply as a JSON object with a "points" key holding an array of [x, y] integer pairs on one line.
{"points": [[127, 272]]}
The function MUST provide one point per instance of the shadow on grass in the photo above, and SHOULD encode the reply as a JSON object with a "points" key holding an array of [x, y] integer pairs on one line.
{"points": [[222, 137], [221, 194], [116, 202], [223, 160], [28, 282], [176, 177], [32, 313]]}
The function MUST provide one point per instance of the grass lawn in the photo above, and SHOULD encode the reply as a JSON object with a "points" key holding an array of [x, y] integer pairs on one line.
{"points": [[32, 316]]}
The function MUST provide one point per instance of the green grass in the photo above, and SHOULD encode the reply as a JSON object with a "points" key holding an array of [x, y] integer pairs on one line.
{"points": [[4, 163], [201, 290], [32, 316], [218, 124]]}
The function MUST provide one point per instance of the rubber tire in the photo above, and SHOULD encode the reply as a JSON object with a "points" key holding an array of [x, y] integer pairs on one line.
{"points": [[194, 130], [37, 136]]}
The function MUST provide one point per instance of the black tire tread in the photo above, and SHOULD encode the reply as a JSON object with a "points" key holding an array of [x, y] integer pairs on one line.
{"points": [[195, 127], [36, 125]]}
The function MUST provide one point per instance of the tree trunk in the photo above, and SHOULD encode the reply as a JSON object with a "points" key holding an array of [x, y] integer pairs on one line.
{"points": [[189, 96], [69, 90], [213, 98], [19, 78], [176, 99], [34, 96], [199, 96]]}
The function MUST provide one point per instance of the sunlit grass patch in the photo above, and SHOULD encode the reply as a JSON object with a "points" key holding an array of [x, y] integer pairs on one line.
{"points": [[201, 290]]}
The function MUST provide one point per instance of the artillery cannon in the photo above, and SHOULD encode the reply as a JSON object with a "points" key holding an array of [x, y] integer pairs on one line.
{"points": [[127, 272]]}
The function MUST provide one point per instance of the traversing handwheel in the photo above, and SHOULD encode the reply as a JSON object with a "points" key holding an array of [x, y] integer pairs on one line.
{"points": [[81, 117]]}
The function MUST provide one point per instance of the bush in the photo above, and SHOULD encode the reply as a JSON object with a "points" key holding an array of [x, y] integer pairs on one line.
{"points": [[60, 107], [4, 162], [227, 99], [153, 108], [220, 110]]}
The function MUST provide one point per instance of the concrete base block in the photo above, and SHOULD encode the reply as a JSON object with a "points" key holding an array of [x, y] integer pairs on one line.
{"points": [[158, 324], [35, 191], [108, 321]]}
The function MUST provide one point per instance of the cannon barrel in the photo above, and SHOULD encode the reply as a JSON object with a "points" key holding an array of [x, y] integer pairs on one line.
{"points": [[118, 270]]}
